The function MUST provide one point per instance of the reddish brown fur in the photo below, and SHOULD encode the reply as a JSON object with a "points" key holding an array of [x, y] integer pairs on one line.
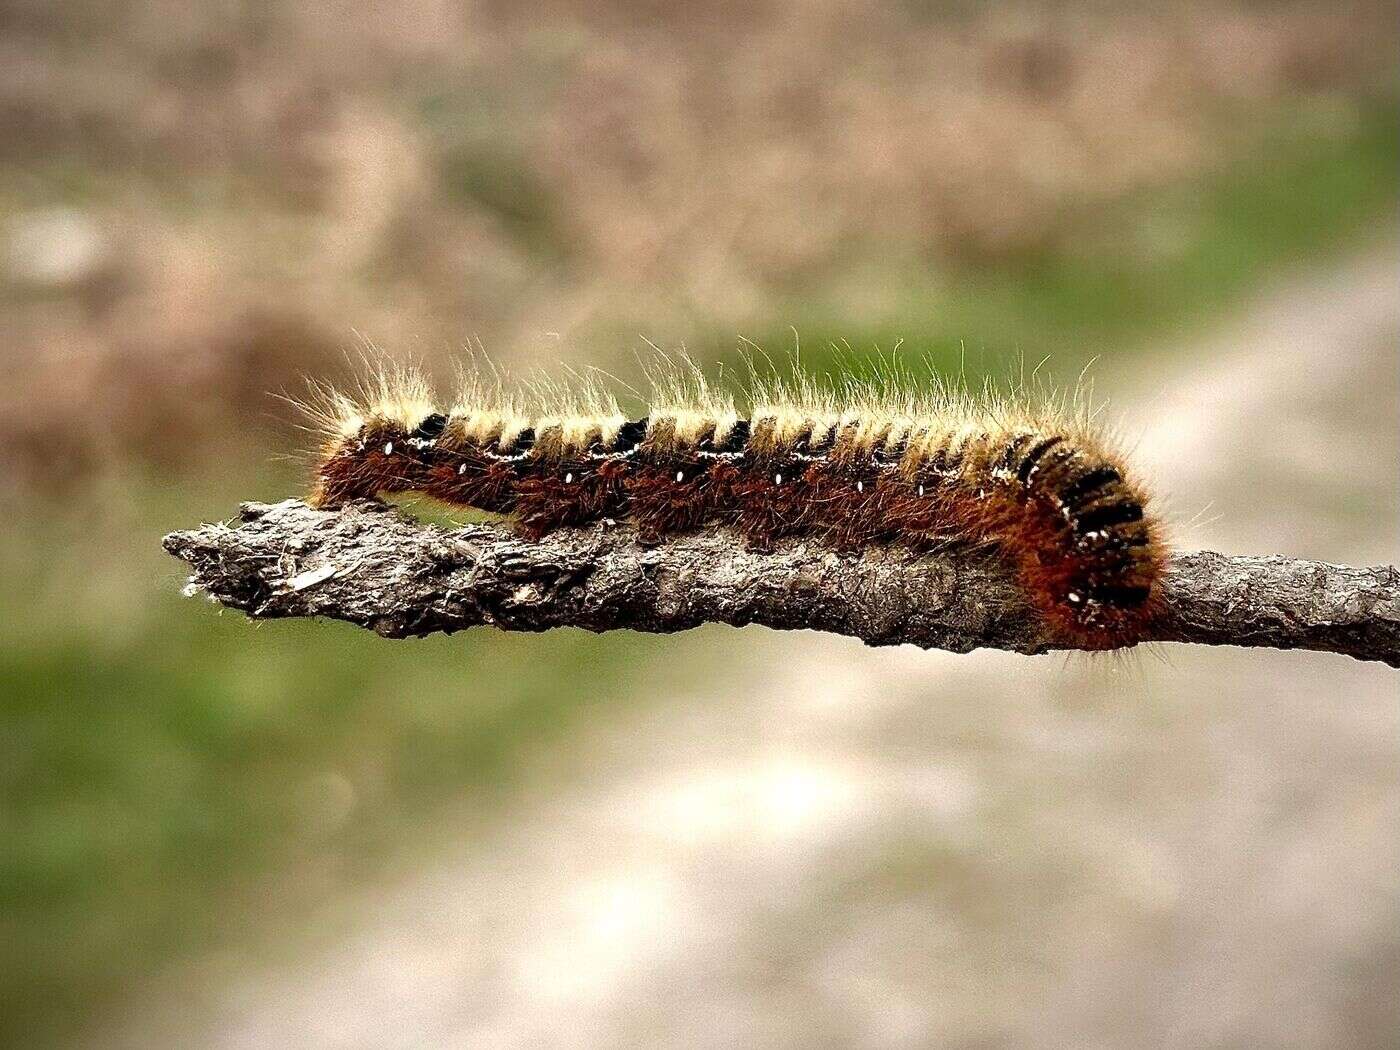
{"points": [[1095, 588], [662, 506], [570, 492]]}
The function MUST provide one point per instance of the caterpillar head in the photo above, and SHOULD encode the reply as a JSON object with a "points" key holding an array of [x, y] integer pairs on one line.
{"points": [[385, 454]]}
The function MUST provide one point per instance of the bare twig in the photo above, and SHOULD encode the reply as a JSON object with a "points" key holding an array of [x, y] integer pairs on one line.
{"points": [[373, 566]]}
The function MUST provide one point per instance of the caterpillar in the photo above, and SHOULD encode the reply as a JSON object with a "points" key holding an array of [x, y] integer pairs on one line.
{"points": [[865, 464]]}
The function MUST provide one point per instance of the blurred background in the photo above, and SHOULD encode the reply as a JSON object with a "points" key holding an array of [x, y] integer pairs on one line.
{"points": [[227, 835]]}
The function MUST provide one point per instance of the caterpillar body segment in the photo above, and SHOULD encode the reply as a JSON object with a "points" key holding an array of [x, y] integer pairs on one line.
{"points": [[1039, 486]]}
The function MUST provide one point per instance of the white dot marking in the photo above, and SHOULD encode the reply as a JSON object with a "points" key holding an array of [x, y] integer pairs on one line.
{"points": [[777, 479], [388, 448], [680, 476], [569, 478]]}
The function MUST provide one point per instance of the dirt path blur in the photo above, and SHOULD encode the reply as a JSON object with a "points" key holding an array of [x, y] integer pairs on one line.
{"points": [[893, 848]]}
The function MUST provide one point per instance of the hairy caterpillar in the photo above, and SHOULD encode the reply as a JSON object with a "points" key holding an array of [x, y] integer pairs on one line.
{"points": [[868, 465]]}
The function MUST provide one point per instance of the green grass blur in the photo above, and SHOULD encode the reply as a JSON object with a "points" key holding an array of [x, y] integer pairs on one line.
{"points": [[165, 762], [165, 766], [1150, 267]]}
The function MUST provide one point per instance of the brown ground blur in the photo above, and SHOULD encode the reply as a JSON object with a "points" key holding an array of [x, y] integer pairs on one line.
{"points": [[204, 201]]}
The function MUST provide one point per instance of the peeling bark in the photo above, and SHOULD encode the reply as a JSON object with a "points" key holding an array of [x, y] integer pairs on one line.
{"points": [[371, 565]]}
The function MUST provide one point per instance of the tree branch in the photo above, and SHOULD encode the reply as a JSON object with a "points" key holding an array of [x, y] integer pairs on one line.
{"points": [[373, 566]]}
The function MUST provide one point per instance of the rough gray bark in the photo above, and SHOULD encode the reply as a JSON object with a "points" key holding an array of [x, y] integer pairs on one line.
{"points": [[371, 565]]}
